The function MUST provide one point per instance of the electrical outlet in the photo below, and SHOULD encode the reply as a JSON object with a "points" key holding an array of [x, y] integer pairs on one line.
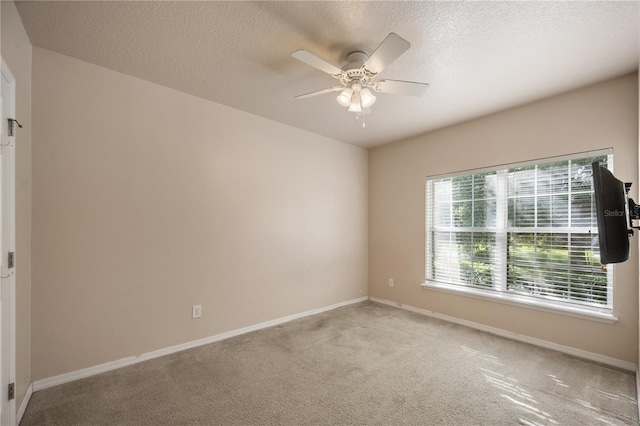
{"points": [[196, 311], [390, 282]]}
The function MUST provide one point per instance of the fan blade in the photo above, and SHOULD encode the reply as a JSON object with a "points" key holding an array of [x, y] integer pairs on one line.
{"points": [[389, 50], [314, 61], [410, 88], [319, 92]]}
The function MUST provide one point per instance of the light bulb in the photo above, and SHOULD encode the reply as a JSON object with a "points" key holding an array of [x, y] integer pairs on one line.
{"points": [[355, 103], [367, 98], [344, 98]]}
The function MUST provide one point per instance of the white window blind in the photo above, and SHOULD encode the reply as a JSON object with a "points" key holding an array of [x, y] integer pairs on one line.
{"points": [[525, 229]]}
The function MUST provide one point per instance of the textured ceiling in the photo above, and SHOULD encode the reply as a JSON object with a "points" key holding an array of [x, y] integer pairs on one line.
{"points": [[478, 57]]}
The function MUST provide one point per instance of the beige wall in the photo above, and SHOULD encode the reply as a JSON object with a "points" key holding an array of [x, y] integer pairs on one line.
{"points": [[147, 201], [598, 116], [16, 51]]}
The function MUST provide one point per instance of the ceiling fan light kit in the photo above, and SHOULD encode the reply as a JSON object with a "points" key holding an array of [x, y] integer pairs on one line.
{"points": [[344, 98], [356, 104], [358, 75], [367, 98]]}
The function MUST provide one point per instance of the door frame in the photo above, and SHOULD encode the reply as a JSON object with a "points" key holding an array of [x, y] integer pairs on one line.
{"points": [[7, 275]]}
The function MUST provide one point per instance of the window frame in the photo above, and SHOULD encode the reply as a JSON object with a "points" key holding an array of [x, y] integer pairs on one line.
{"points": [[499, 292]]}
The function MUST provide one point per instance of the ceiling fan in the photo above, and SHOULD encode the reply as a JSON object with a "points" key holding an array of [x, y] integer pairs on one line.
{"points": [[358, 76]]}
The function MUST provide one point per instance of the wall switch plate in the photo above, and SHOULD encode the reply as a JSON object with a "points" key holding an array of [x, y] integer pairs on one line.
{"points": [[390, 282], [196, 311]]}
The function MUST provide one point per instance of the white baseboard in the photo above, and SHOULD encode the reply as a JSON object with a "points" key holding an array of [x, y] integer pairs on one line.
{"points": [[24, 403], [124, 362], [603, 359]]}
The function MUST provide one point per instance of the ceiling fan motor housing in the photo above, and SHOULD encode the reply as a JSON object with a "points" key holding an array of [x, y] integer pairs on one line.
{"points": [[354, 71], [355, 60]]}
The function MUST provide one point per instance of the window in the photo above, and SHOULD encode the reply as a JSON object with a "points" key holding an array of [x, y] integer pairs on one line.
{"points": [[526, 232]]}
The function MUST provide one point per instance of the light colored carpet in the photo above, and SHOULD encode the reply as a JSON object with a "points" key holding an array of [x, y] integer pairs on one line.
{"points": [[366, 364]]}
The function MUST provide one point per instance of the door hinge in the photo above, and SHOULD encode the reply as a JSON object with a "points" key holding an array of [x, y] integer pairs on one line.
{"points": [[12, 259], [12, 391], [12, 126]]}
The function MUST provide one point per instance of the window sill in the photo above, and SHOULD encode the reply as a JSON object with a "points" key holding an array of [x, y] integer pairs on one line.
{"points": [[515, 300]]}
